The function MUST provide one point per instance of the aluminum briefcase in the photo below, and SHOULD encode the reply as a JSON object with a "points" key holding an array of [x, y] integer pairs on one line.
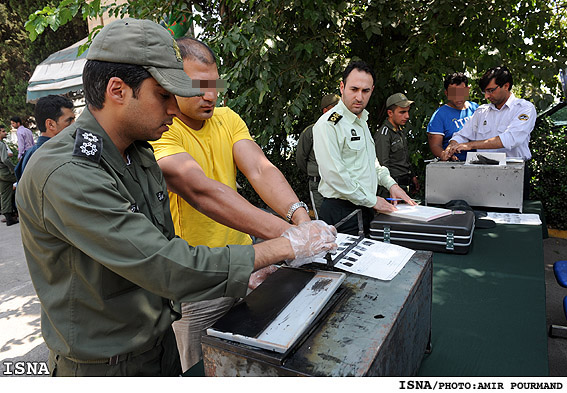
{"points": [[450, 234]]}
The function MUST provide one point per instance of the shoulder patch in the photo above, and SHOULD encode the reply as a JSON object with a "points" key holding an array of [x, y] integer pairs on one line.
{"points": [[335, 117], [88, 145], [523, 117]]}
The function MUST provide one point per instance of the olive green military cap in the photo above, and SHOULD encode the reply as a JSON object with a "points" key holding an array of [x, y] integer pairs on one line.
{"points": [[147, 44], [329, 99], [398, 99]]}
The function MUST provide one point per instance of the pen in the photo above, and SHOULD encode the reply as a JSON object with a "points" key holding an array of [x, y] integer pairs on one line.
{"points": [[400, 200]]}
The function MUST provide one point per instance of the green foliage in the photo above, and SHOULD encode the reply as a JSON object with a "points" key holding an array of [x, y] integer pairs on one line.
{"points": [[19, 57], [280, 57], [549, 149], [14, 149]]}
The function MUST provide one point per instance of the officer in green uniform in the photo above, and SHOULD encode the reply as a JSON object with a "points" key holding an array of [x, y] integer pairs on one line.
{"points": [[7, 180], [305, 156], [96, 226], [344, 148], [392, 143]]}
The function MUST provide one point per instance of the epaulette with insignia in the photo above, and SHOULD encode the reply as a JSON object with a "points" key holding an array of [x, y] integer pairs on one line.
{"points": [[335, 117], [88, 145]]}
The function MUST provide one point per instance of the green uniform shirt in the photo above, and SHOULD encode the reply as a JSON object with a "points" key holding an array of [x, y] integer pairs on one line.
{"points": [[347, 160], [6, 166], [392, 149], [101, 250], [305, 156]]}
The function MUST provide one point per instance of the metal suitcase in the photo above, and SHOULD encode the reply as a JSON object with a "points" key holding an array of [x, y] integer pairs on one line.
{"points": [[450, 234]]}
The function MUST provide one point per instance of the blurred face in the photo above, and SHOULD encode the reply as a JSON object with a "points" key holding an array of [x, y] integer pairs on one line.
{"points": [[3, 133], [195, 110], [399, 116], [14, 124], [356, 91], [457, 95], [147, 116], [496, 94]]}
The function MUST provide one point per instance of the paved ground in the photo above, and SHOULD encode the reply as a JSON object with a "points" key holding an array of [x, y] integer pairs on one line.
{"points": [[20, 333]]}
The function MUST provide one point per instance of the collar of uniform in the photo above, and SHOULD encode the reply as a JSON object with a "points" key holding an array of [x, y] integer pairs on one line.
{"points": [[390, 125], [41, 140], [145, 153], [509, 102], [109, 151], [347, 114]]}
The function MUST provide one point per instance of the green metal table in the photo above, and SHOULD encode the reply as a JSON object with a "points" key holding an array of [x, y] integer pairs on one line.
{"points": [[489, 306]]}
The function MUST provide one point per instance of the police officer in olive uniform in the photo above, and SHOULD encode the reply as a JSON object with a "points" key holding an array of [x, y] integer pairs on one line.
{"points": [[305, 156], [96, 226], [392, 144]]}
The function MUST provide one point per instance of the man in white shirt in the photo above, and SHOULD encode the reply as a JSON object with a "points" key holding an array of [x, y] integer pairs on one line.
{"points": [[504, 125]]}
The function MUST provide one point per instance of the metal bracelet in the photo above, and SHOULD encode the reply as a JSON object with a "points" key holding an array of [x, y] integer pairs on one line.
{"points": [[293, 208]]}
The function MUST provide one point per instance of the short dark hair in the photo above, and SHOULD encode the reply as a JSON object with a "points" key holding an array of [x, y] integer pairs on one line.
{"points": [[50, 107], [391, 108], [361, 66], [456, 78], [193, 49], [96, 75], [16, 119], [501, 76]]}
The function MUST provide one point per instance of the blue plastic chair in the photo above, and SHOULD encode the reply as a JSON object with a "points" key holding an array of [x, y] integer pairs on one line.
{"points": [[560, 271]]}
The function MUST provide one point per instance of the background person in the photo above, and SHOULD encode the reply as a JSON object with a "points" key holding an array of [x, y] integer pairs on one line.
{"points": [[52, 114], [305, 156], [24, 135], [7, 180], [391, 143], [452, 116]]}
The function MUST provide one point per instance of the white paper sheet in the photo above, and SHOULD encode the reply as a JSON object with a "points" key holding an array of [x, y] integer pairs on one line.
{"points": [[514, 218], [371, 258]]}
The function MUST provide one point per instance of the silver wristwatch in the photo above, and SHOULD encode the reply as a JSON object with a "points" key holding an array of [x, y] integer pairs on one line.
{"points": [[294, 207]]}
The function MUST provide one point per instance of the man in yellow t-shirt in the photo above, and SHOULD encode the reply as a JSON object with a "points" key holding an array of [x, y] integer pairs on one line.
{"points": [[199, 156], [211, 148]]}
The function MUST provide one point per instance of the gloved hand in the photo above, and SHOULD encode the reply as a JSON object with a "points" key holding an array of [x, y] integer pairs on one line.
{"points": [[310, 240]]}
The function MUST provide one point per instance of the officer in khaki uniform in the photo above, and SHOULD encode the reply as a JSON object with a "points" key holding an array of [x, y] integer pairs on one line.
{"points": [[7, 180], [305, 156], [350, 172], [392, 143], [96, 226]]}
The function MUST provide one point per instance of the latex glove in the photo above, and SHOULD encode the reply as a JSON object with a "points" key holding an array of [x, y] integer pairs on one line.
{"points": [[259, 276], [310, 240]]}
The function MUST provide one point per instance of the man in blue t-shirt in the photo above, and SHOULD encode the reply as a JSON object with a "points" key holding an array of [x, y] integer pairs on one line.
{"points": [[452, 116]]}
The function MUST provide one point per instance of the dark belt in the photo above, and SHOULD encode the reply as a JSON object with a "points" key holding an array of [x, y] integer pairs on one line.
{"points": [[316, 179], [114, 360]]}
